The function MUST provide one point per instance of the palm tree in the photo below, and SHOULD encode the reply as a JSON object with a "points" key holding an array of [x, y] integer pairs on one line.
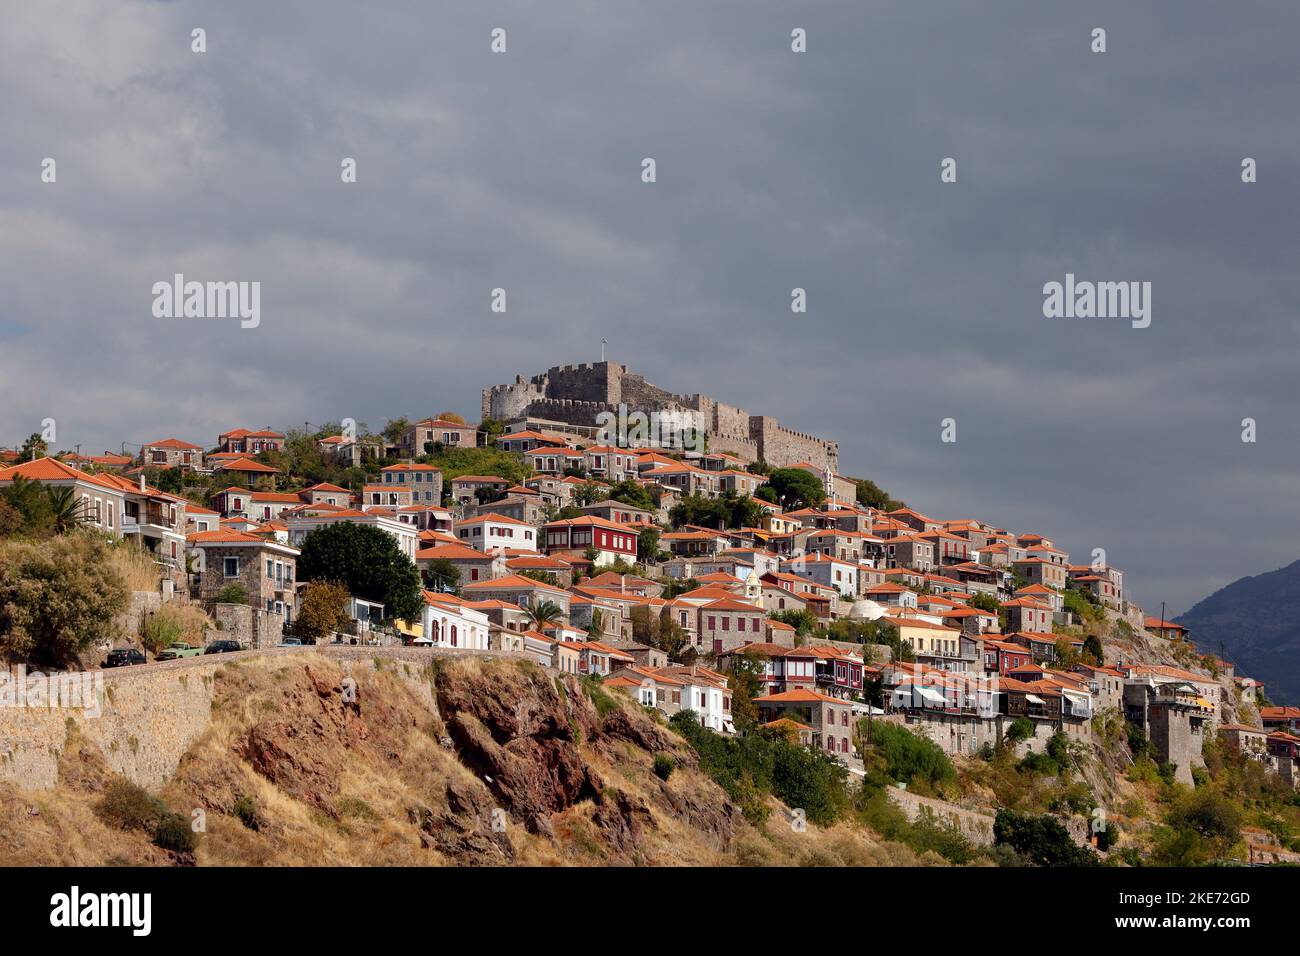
{"points": [[544, 613], [67, 511]]}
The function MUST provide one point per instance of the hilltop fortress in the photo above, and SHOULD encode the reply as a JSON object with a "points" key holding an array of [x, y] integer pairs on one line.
{"points": [[576, 394]]}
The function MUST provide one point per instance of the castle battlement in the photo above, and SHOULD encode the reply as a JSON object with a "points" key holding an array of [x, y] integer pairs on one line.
{"points": [[577, 393]]}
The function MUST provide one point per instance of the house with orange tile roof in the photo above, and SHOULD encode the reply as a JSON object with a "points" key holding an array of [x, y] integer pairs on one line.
{"points": [[1040, 571], [518, 590], [450, 621], [246, 442], [1284, 753], [494, 532], [465, 488], [171, 453], [1026, 614], [830, 718], [265, 569], [422, 482], [728, 622], [1280, 718], [92, 463], [1054, 599], [910, 551], [610, 541], [1250, 742], [1169, 630], [471, 564], [422, 437], [102, 501]]}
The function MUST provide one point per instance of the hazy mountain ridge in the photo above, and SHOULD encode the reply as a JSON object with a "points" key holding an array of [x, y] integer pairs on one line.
{"points": [[1257, 620]]}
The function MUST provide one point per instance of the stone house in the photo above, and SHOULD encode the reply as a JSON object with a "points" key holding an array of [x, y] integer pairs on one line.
{"points": [[830, 718], [726, 623], [172, 453], [265, 568], [420, 438], [245, 442]]}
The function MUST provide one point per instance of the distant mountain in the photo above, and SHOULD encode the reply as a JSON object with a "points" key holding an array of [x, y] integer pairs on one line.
{"points": [[1258, 621]]}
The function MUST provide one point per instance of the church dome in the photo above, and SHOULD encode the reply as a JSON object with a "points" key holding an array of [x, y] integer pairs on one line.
{"points": [[864, 610]]}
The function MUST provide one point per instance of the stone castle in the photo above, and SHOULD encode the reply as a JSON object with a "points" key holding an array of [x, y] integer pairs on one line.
{"points": [[576, 394]]}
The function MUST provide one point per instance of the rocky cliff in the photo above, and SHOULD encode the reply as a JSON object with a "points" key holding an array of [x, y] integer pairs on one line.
{"points": [[466, 762]]}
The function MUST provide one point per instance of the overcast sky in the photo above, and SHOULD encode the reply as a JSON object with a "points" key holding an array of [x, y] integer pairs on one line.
{"points": [[775, 170]]}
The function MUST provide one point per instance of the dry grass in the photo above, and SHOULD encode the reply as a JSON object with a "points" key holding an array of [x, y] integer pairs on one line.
{"points": [[380, 776], [136, 566]]}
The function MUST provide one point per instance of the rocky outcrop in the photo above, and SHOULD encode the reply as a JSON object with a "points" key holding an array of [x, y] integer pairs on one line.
{"points": [[528, 737]]}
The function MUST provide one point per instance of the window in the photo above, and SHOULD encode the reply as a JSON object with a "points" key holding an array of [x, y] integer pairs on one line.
{"points": [[230, 567]]}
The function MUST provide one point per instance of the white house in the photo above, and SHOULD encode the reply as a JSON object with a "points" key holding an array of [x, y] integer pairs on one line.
{"points": [[449, 622]]}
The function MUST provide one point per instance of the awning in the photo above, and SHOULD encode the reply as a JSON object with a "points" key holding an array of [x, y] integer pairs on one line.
{"points": [[1034, 700], [931, 695]]}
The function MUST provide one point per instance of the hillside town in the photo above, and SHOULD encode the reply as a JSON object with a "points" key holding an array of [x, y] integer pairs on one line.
{"points": [[682, 552]]}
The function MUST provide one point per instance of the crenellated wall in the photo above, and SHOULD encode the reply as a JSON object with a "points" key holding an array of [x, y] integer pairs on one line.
{"points": [[576, 394]]}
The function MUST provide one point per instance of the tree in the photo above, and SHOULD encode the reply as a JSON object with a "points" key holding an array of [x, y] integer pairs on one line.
{"points": [[234, 593], [796, 488], [545, 613], [673, 639], [746, 669], [985, 602], [645, 625], [322, 611], [634, 494], [728, 510], [442, 575], [1041, 839], [647, 545], [394, 430], [1022, 728], [803, 621], [451, 417], [32, 502], [57, 597], [910, 757], [67, 511], [873, 496], [365, 560], [11, 519], [34, 447], [588, 493], [1093, 650]]}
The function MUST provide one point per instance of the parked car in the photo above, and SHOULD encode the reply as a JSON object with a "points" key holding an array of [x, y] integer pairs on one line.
{"points": [[222, 647], [178, 650], [123, 656], [290, 642]]}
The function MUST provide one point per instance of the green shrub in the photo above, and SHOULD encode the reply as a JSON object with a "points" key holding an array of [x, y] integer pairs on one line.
{"points": [[173, 832], [1022, 728], [1041, 839], [129, 807], [753, 766], [664, 766], [911, 757], [245, 809]]}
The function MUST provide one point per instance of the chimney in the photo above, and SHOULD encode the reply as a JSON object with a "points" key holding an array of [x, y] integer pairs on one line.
{"points": [[142, 481]]}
